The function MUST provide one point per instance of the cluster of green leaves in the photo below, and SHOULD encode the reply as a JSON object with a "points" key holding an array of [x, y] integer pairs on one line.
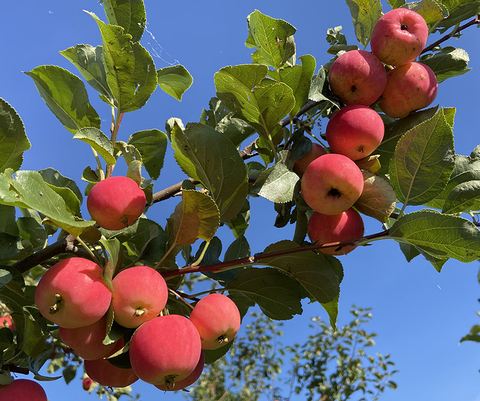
{"points": [[332, 364]]}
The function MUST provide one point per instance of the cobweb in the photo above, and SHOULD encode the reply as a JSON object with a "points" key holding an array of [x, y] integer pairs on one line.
{"points": [[156, 49]]}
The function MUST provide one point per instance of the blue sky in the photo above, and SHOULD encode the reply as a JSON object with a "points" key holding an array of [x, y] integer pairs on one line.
{"points": [[419, 314]]}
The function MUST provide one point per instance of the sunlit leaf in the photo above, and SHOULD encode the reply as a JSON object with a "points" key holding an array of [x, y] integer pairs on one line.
{"points": [[365, 14], [128, 14], [98, 141], [447, 63], [152, 145], [174, 80]]}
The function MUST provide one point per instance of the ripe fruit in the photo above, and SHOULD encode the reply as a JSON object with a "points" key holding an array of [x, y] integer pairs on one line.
{"points": [[399, 36], [410, 87], [331, 184], [355, 131], [190, 379], [116, 202], [165, 350], [217, 320], [72, 293], [139, 294], [87, 341], [23, 390], [325, 229], [87, 383], [357, 77], [6, 321], [301, 164], [104, 373]]}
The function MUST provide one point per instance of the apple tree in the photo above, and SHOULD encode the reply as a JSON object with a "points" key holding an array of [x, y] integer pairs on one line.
{"points": [[258, 137]]}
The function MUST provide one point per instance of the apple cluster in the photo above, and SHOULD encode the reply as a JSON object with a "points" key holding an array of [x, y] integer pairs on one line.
{"points": [[332, 181], [166, 350]]}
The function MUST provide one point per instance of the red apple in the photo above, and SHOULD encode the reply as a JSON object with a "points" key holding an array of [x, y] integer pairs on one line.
{"points": [[355, 131], [399, 36], [331, 184], [6, 321], [326, 229], [410, 87], [139, 294], [116, 202], [357, 77], [165, 350], [104, 373], [87, 341], [87, 383], [73, 293], [189, 380], [23, 390], [217, 320], [302, 163]]}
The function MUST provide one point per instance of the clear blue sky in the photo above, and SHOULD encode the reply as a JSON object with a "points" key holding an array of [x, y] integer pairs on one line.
{"points": [[419, 314]]}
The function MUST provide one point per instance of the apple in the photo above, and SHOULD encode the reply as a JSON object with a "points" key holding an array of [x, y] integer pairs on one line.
{"points": [[87, 383], [189, 380], [357, 77], [104, 373], [87, 341], [355, 131], [165, 350], [331, 184], [302, 163], [139, 294], [399, 36], [116, 202], [73, 293], [410, 87], [23, 390], [217, 320], [326, 229], [6, 321]]}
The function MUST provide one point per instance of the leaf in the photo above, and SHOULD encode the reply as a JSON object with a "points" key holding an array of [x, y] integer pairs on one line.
{"points": [[423, 161], [98, 141], [174, 80], [273, 39], [442, 236], [447, 62], [458, 11], [431, 10], [66, 96], [54, 178], [210, 158], [12, 136], [89, 62], [277, 295], [33, 232], [129, 14], [365, 14], [152, 145]]}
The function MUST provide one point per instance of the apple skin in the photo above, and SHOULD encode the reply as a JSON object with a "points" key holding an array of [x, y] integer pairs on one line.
{"points": [[355, 131], [302, 163], [6, 321], [357, 77], [165, 350], [139, 294], [84, 295], [87, 383], [217, 320], [116, 202], [410, 87], [325, 229], [189, 380], [331, 184], [23, 390], [104, 373], [399, 36]]}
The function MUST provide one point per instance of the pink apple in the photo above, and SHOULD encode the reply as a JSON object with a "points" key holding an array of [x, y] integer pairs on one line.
{"points": [[116, 202], [355, 131], [326, 229], [410, 87], [357, 77], [301, 164], [399, 36], [6, 321], [23, 390], [139, 294], [104, 373], [331, 184], [189, 380]]}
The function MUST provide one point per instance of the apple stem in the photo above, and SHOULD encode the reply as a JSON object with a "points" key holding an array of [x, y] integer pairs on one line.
{"points": [[57, 305], [170, 382], [222, 339]]}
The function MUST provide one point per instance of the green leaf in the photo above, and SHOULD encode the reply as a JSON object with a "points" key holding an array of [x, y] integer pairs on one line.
{"points": [[129, 14], [240, 248], [11, 246], [431, 10], [442, 236], [174, 80], [277, 295], [447, 62], [7, 220], [54, 178], [66, 96], [89, 62], [32, 338], [12, 136], [273, 39], [396, 3], [458, 11], [423, 161], [152, 145], [98, 141], [33, 232], [5, 277], [210, 158], [365, 14]]}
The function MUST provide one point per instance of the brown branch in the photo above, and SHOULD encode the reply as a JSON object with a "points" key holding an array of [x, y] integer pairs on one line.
{"points": [[171, 191]]}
